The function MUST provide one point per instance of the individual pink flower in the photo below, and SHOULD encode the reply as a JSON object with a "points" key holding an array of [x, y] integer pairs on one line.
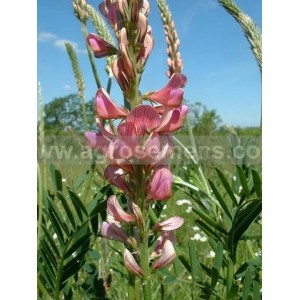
{"points": [[160, 184], [168, 225], [115, 176], [106, 108], [172, 119], [96, 141], [119, 72], [146, 48], [115, 210], [100, 47], [124, 51], [170, 95], [167, 256], [131, 264], [113, 232], [109, 10], [165, 235]]}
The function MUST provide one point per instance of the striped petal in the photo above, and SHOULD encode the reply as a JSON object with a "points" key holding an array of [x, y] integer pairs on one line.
{"points": [[114, 209]]}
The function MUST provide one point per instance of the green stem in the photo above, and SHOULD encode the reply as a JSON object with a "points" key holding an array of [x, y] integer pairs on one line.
{"points": [[90, 177], [145, 265], [131, 287], [90, 54]]}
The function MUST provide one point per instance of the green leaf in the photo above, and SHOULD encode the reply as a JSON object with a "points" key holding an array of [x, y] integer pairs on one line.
{"points": [[185, 263], [55, 177], [217, 265], [56, 228], [247, 284], [73, 266], [79, 181], [67, 208], [257, 183], [255, 262], [256, 291], [210, 221], [81, 237], [194, 260], [242, 221], [243, 180], [208, 230], [229, 279], [227, 186], [59, 217], [50, 240], [220, 199], [79, 207]]}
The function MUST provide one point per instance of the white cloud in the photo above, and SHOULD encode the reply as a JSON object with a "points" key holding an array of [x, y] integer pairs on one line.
{"points": [[46, 36], [67, 87], [58, 42]]}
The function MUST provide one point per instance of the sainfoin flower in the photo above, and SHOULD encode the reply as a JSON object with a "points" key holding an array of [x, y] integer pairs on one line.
{"points": [[100, 47], [167, 256], [136, 142]]}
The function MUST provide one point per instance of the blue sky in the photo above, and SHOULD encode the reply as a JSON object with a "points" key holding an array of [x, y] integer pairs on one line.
{"points": [[221, 69]]}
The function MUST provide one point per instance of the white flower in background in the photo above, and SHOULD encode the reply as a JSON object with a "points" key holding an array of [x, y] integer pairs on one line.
{"points": [[196, 228], [64, 180], [54, 236], [212, 254], [258, 253], [189, 209], [163, 215], [183, 201], [199, 237], [190, 277], [165, 207]]}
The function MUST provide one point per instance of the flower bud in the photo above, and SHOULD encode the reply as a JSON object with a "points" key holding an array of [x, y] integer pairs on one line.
{"points": [[131, 264]]}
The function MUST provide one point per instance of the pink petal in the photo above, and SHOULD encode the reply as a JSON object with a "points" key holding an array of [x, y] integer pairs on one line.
{"points": [[145, 118], [168, 225], [168, 255], [96, 141], [128, 134], [165, 235], [173, 119], [171, 94], [99, 46], [115, 176], [109, 11], [160, 184], [114, 209], [113, 232], [131, 264], [119, 72], [106, 108]]}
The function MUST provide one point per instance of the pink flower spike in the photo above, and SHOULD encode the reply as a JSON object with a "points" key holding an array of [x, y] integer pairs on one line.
{"points": [[113, 232], [168, 225], [145, 118], [168, 255], [114, 209], [173, 119], [171, 94], [106, 108], [115, 176], [159, 186], [96, 141], [131, 264], [100, 47]]}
